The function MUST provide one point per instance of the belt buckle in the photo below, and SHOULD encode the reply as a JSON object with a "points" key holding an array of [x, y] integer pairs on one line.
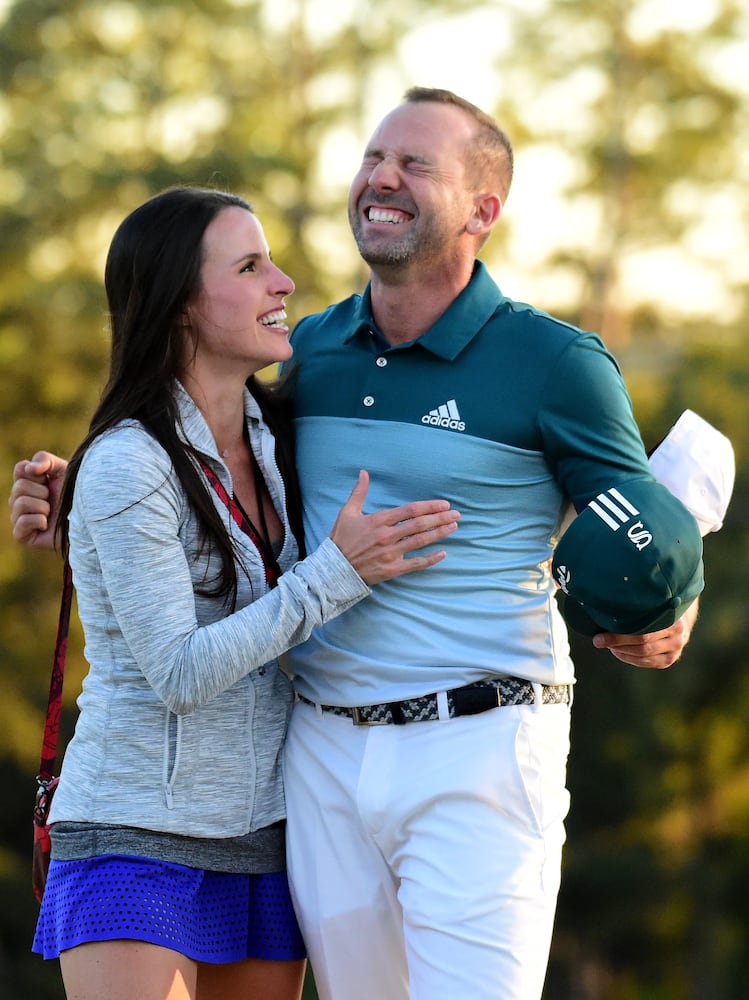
{"points": [[356, 718]]}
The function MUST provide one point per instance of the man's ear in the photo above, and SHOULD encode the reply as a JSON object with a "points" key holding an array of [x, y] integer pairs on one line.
{"points": [[487, 209]]}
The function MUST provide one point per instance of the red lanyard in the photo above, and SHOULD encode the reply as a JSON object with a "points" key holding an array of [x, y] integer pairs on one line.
{"points": [[272, 569]]}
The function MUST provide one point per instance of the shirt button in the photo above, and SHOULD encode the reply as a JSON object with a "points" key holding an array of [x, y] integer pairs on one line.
{"points": [[261, 671], [381, 362], [368, 400]]}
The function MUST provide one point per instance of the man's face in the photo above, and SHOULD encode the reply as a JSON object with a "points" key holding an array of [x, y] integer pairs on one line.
{"points": [[409, 201]]}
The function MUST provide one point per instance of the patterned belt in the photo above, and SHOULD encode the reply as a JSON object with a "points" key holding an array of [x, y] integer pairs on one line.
{"points": [[470, 700]]}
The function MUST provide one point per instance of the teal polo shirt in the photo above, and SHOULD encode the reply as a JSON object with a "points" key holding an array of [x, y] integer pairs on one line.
{"points": [[504, 411]]}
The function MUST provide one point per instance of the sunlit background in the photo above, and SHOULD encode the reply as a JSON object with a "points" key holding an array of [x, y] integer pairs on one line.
{"points": [[629, 214]]}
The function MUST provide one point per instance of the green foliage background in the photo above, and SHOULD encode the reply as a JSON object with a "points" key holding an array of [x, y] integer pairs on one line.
{"points": [[643, 132]]}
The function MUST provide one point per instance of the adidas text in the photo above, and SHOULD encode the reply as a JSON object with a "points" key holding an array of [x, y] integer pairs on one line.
{"points": [[446, 416]]}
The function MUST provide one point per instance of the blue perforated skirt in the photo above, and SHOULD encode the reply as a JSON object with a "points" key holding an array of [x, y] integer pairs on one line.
{"points": [[207, 916]]}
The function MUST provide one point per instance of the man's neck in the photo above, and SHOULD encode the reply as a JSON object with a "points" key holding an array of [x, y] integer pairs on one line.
{"points": [[405, 306]]}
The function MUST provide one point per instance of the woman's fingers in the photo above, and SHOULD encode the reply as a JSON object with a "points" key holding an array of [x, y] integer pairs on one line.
{"points": [[377, 544]]}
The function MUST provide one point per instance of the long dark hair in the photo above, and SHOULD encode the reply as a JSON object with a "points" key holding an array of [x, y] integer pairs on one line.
{"points": [[152, 272]]}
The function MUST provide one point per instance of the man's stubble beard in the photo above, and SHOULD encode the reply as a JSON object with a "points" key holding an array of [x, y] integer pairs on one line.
{"points": [[383, 251]]}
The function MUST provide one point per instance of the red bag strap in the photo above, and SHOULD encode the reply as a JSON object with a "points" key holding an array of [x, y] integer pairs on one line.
{"points": [[54, 703]]}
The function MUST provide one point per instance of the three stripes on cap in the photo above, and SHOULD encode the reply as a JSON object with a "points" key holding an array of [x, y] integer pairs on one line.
{"points": [[613, 508]]}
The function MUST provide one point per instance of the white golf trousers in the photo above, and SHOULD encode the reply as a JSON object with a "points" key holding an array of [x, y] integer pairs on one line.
{"points": [[424, 859]]}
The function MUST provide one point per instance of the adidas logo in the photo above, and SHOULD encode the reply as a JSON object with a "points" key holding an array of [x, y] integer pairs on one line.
{"points": [[615, 510], [446, 416]]}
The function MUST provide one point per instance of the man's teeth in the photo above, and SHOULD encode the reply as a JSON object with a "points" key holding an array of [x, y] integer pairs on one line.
{"points": [[385, 215], [274, 318]]}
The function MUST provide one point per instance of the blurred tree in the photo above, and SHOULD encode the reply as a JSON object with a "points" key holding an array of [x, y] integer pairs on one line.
{"points": [[635, 119], [634, 134]]}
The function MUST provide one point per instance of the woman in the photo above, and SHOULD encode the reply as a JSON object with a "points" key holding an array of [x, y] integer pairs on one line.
{"points": [[182, 521]]}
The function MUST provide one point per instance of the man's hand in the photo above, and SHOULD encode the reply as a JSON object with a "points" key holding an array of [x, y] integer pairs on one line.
{"points": [[35, 499], [656, 650]]}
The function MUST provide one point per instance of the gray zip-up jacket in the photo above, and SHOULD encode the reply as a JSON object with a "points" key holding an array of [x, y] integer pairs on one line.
{"points": [[184, 708]]}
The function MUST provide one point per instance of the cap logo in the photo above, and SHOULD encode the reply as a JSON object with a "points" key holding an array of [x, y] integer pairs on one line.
{"points": [[613, 508], [563, 578], [630, 563], [639, 535]]}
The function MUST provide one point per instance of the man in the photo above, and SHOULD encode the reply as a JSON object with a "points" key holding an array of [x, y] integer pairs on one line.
{"points": [[424, 847], [426, 757]]}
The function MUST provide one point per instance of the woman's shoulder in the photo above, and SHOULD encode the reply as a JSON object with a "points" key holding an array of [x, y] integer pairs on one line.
{"points": [[127, 441], [123, 465]]}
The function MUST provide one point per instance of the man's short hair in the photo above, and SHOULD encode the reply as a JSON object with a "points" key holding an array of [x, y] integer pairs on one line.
{"points": [[490, 156]]}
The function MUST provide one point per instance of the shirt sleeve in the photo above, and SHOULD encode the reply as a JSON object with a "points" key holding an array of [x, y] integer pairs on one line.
{"points": [[130, 509], [591, 439]]}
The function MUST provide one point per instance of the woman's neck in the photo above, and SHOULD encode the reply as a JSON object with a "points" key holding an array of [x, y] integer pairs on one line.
{"points": [[222, 406]]}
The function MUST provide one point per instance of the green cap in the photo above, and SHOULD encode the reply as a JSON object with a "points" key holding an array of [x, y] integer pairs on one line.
{"points": [[630, 562]]}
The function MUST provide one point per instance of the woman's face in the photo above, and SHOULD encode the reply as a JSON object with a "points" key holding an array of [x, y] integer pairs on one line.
{"points": [[237, 320]]}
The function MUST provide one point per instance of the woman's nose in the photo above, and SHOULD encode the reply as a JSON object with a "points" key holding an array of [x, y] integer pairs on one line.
{"points": [[284, 284]]}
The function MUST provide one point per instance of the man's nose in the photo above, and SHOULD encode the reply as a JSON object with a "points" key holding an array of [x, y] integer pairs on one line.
{"points": [[385, 175]]}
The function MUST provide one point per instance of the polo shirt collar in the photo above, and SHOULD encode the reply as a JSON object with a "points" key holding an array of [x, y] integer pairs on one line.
{"points": [[456, 327]]}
